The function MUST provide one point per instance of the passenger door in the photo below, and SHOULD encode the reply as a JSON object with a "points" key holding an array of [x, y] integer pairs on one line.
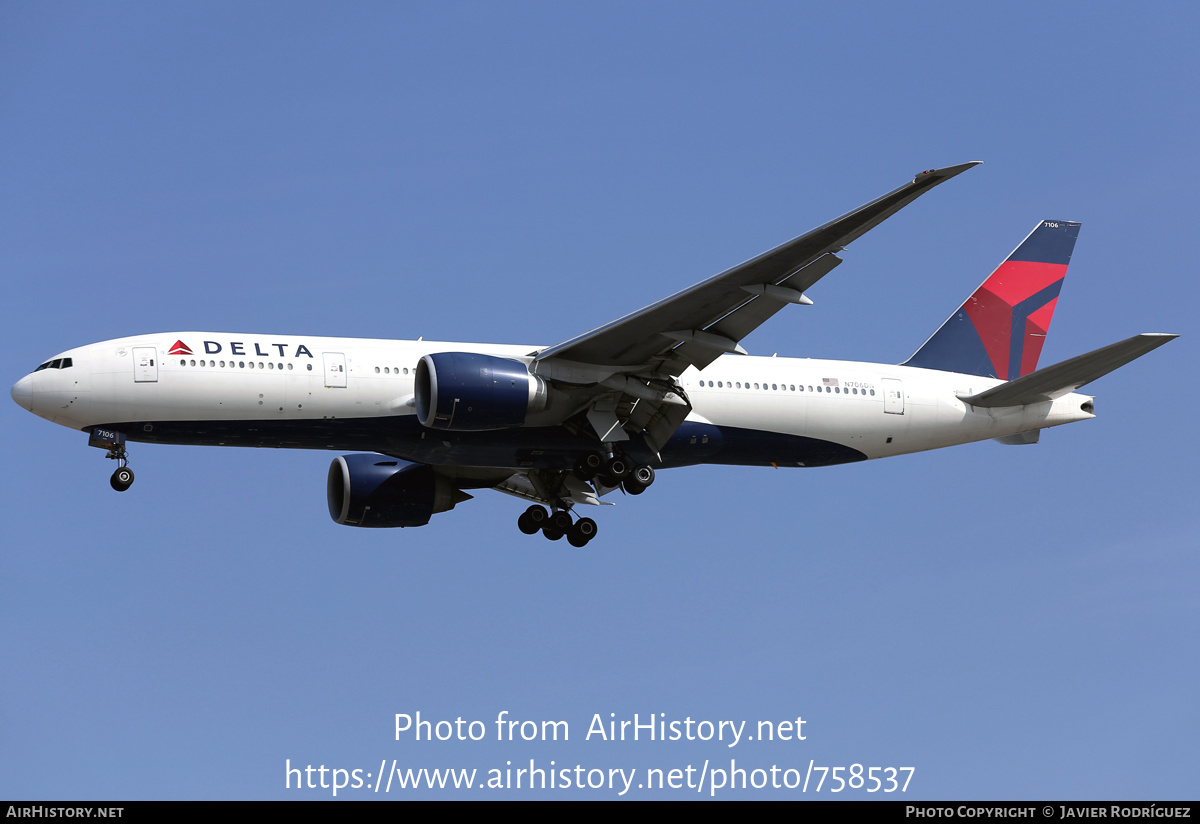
{"points": [[335, 370], [145, 364], [893, 396]]}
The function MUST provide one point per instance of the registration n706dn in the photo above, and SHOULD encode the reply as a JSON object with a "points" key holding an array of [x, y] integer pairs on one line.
{"points": [[561, 426]]}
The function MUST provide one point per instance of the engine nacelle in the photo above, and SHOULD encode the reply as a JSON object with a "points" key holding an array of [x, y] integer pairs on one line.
{"points": [[373, 490], [469, 392]]}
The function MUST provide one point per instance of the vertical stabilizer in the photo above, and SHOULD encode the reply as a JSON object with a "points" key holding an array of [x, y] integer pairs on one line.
{"points": [[999, 331]]}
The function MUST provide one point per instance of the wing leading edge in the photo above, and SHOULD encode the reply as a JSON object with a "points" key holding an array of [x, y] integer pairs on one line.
{"points": [[697, 325]]}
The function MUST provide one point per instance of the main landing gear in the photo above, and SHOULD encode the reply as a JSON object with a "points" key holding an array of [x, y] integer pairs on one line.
{"points": [[614, 471], [556, 525]]}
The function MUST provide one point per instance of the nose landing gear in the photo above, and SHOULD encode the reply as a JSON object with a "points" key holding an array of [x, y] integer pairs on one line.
{"points": [[123, 477], [114, 442]]}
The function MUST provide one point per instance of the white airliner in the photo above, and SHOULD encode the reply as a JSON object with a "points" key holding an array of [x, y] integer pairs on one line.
{"points": [[563, 425]]}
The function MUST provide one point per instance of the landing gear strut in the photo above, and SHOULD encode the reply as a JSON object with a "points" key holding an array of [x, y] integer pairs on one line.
{"points": [[122, 478], [557, 525]]}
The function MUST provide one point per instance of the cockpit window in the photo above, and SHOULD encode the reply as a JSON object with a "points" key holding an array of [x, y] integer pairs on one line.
{"points": [[57, 363]]}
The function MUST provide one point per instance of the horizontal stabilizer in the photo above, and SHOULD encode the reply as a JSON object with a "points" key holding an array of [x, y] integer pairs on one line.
{"points": [[1064, 378]]}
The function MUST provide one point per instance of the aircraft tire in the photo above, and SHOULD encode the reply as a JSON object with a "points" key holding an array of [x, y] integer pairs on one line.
{"points": [[587, 466], [643, 476], [551, 533], [533, 519], [122, 479], [617, 468], [583, 531]]}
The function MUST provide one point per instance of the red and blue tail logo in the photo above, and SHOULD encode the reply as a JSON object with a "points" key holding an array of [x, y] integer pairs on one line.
{"points": [[999, 331]]}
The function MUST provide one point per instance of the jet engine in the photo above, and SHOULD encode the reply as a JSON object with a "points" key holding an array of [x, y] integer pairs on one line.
{"points": [[373, 490], [470, 392]]}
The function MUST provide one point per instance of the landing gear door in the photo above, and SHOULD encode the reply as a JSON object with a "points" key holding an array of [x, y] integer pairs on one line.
{"points": [[145, 364], [893, 397], [335, 370]]}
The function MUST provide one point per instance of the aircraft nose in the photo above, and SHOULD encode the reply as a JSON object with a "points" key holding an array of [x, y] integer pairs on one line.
{"points": [[22, 392]]}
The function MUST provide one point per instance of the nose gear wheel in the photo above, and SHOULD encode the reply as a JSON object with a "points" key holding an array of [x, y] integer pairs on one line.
{"points": [[122, 478]]}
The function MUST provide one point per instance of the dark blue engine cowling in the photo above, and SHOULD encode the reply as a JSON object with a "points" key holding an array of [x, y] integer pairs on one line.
{"points": [[373, 490], [469, 392]]}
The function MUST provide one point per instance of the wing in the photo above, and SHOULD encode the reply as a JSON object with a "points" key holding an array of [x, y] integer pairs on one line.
{"points": [[727, 306], [632, 363]]}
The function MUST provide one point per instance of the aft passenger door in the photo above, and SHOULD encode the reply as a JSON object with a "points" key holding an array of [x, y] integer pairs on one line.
{"points": [[893, 396], [335, 370]]}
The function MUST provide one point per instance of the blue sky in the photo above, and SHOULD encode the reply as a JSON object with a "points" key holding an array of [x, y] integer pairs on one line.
{"points": [[1012, 622]]}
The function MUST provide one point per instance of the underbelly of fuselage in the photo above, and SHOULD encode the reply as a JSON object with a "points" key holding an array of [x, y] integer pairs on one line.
{"points": [[544, 448]]}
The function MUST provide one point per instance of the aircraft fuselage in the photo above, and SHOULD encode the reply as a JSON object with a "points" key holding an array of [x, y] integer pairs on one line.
{"points": [[221, 389]]}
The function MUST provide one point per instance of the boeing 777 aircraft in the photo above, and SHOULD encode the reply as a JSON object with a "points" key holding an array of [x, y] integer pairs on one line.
{"points": [[563, 425]]}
